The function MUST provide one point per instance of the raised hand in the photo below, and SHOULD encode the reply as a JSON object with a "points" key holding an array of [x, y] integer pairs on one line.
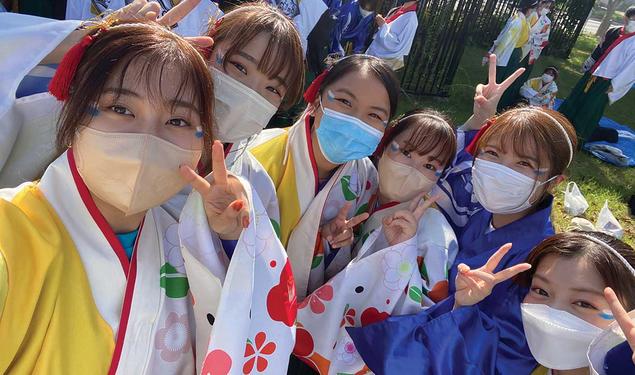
{"points": [[622, 318], [402, 225], [473, 286], [339, 231], [486, 97], [150, 10], [224, 198]]}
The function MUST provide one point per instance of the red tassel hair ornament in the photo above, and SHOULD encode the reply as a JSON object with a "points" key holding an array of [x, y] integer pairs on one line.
{"points": [[311, 93], [60, 85], [471, 148]]}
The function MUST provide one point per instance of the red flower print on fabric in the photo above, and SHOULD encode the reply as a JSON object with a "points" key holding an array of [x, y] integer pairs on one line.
{"points": [[256, 351], [314, 300]]}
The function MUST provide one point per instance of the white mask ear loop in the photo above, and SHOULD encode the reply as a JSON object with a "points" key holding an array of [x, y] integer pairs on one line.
{"points": [[612, 251]]}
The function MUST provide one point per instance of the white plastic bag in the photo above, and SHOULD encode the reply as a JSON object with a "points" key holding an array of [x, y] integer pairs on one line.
{"points": [[574, 202], [608, 224]]}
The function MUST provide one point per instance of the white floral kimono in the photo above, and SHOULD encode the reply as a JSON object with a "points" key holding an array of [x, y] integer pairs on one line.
{"points": [[381, 281], [287, 155], [178, 292]]}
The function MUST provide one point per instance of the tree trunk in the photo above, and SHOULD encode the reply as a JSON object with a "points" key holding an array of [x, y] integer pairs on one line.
{"points": [[606, 21]]}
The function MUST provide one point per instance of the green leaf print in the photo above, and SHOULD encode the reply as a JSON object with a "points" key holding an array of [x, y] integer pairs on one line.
{"points": [[346, 189], [363, 208], [276, 227], [174, 282], [316, 261], [415, 294]]}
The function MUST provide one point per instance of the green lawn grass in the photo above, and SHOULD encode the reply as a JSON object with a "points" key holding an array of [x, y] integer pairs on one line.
{"points": [[597, 180]]}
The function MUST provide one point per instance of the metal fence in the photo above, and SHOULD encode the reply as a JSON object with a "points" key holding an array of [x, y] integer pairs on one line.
{"points": [[568, 18], [438, 45], [446, 26]]}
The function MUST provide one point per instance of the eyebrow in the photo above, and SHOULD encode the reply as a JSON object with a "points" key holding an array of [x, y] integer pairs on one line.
{"points": [[253, 60], [519, 155], [587, 290], [579, 290], [173, 102]]}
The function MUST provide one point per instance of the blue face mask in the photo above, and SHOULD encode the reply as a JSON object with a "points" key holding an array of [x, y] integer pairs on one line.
{"points": [[344, 138]]}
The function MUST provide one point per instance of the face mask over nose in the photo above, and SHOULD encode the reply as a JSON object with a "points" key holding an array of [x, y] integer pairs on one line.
{"points": [[131, 172], [502, 190], [239, 111], [399, 182], [557, 340], [344, 138], [547, 78]]}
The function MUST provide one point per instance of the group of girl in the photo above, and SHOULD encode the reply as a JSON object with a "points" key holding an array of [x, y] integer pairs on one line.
{"points": [[172, 234]]}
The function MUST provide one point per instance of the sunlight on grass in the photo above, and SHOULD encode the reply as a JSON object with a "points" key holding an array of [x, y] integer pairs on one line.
{"points": [[597, 180]]}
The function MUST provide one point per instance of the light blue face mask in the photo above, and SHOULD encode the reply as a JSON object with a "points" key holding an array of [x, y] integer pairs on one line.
{"points": [[345, 138]]}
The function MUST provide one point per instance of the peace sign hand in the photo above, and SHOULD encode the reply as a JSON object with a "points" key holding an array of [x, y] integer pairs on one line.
{"points": [[224, 198], [402, 225], [486, 97], [144, 10], [339, 231], [622, 318], [473, 286]]}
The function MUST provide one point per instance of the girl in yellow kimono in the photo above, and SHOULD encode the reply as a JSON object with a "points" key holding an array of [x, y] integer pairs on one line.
{"points": [[508, 48], [93, 270], [320, 166]]}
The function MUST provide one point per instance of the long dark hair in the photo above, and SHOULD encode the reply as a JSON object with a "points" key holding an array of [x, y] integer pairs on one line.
{"points": [[376, 66]]}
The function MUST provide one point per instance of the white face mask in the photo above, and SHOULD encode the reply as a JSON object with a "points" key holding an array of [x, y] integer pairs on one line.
{"points": [[630, 27], [545, 11], [557, 340], [399, 182], [240, 112], [502, 190], [547, 78]]}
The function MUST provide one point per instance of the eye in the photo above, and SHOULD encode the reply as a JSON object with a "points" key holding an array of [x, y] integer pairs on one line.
{"points": [[525, 164], [239, 67], [378, 118], [491, 152], [345, 102], [540, 292], [274, 90], [406, 153], [584, 305], [178, 122], [430, 167], [120, 110]]}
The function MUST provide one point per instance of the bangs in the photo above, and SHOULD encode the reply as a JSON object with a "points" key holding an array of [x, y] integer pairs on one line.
{"points": [[513, 133], [146, 70], [431, 137]]}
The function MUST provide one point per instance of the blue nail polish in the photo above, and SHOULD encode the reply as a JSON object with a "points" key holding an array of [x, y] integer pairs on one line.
{"points": [[219, 59], [606, 316], [330, 96]]}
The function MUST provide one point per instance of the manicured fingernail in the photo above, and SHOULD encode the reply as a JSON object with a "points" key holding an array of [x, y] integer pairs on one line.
{"points": [[245, 222], [606, 315], [237, 206]]}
